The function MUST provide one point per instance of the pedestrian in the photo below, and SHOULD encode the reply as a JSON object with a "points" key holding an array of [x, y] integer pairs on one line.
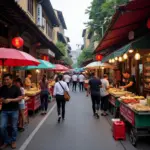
{"points": [[104, 94], [81, 81], [18, 83], [67, 78], [59, 88], [10, 96], [44, 94], [94, 90], [28, 82], [75, 80], [129, 81]]}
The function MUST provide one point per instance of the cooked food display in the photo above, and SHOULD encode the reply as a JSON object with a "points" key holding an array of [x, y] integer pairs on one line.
{"points": [[140, 107]]}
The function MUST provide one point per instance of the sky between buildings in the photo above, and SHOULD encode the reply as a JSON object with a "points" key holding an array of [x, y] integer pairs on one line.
{"points": [[75, 17]]}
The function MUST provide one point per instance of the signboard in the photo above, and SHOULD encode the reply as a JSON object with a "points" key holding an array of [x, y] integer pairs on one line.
{"points": [[39, 15], [127, 113]]}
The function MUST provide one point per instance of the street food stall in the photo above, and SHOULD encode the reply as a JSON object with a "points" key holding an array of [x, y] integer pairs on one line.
{"points": [[34, 101], [133, 109]]}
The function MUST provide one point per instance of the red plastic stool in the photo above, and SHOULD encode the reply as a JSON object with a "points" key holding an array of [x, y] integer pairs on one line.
{"points": [[119, 130]]}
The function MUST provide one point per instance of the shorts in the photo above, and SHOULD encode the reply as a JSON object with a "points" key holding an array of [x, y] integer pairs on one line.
{"points": [[21, 106]]}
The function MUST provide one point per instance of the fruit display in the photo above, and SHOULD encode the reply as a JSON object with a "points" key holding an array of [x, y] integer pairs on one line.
{"points": [[139, 107]]}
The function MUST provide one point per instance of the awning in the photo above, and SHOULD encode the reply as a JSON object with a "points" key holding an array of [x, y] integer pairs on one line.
{"points": [[117, 53], [140, 44], [130, 17]]}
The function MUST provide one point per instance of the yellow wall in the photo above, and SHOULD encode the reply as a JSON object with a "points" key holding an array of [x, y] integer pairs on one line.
{"points": [[24, 5]]}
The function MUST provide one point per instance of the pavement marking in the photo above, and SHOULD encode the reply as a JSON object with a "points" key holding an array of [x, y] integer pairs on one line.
{"points": [[28, 140]]}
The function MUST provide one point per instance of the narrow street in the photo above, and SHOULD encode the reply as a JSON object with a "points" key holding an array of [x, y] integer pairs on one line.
{"points": [[80, 131]]}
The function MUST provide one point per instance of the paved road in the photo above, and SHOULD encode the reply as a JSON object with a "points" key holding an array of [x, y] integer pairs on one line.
{"points": [[80, 131]]}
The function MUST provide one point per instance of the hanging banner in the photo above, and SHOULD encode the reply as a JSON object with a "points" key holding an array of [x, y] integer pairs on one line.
{"points": [[39, 15]]}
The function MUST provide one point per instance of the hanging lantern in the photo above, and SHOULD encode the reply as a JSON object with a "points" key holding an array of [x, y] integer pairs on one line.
{"points": [[17, 42], [131, 50], [99, 57], [113, 60], [148, 23], [137, 56], [110, 61], [37, 71], [125, 56], [120, 59], [116, 58]]}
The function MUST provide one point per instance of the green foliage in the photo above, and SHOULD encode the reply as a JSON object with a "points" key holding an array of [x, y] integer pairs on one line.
{"points": [[101, 11], [67, 60], [62, 47]]}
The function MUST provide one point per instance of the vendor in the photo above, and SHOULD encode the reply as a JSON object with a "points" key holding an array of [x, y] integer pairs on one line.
{"points": [[28, 82], [129, 80]]}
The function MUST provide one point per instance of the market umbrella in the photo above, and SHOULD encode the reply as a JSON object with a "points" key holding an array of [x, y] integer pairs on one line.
{"points": [[13, 57], [59, 67], [97, 64], [43, 65]]}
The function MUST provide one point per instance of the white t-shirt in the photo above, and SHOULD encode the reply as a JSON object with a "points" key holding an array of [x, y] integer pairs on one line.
{"points": [[105, 85], [81, 78], [67, 78], [23, 93], [58, 90], [74, 78]]}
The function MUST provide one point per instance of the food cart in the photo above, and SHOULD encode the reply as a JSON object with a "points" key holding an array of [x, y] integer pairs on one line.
{"points": [[115, 93], [34, 101], [138, 117]]}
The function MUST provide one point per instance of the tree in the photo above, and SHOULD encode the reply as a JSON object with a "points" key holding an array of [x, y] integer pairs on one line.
{"points": [[63, 48], [100, 12]]}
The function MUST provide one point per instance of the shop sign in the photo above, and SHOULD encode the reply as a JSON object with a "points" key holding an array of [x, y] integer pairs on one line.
{"points": [[127, 113], [112, 100], [39, 15]]}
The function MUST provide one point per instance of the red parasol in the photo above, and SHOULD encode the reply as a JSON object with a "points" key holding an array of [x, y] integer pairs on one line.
{"points": [[13, 57], [59, 67]]}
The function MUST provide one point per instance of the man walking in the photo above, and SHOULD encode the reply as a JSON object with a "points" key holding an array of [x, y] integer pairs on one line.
{"points": [[81, 82], [74, 79], [94, 87], [67, 79], [10, 95]]}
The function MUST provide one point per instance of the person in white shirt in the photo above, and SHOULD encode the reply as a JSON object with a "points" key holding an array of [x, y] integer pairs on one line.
{"points": [[67, 79], [81, 82], [104, 94], [75, 80], [59, 89]]}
